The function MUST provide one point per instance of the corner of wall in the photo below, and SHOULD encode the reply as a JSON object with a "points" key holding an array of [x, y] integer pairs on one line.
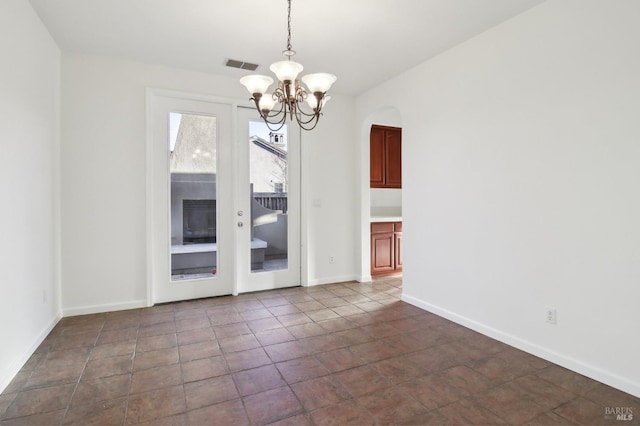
{"points": [[8, 372]]}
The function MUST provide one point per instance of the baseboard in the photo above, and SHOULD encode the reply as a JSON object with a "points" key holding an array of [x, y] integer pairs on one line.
{"points": [[578, 366], [108, 307], [333, 280], [7, 374], [365, 278]]}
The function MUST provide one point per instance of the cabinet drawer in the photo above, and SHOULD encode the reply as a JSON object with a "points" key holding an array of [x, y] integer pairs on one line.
{"points": [[398, 227], [377, 227]]}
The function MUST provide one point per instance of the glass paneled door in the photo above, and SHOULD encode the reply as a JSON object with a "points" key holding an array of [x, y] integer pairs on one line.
{"points": [[191, 239], [268, 216], [223, 207]]}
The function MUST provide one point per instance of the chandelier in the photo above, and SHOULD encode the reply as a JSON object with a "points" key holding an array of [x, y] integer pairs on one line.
{"points": [[289, 97]]}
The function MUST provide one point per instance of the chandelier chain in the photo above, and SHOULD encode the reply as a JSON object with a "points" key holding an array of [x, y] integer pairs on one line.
{"points": [[289, 47]]}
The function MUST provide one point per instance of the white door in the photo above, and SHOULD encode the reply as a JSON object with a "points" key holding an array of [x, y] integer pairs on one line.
{"points": [[191, 233], [268, 193], [223, 207]]}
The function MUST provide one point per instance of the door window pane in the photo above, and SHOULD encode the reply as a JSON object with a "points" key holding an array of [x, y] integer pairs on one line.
{"points": [[268, 161], [193, 214]]}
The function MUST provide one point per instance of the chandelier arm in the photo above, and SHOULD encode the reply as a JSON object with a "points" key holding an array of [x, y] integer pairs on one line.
{"points": [[300, 119], [279, 94], [301, 94], [256, 101], [279, 122], [274, 127], [272, 113], [303, 124], [275, 118], [308, 114], [303, 118]]}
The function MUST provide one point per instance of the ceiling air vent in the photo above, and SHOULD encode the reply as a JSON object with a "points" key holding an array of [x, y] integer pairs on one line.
{"points": [[233, 63]]}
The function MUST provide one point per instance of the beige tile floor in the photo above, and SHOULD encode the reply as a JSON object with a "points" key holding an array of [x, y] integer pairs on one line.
{"points": [[345, 353]]}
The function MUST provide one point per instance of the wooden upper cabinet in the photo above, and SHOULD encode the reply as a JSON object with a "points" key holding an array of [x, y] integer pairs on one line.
{"points": [[393, 151], [385, 157], [376, 157]]}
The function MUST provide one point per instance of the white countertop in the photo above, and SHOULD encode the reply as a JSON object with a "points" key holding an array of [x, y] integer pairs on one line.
{"points": [[386, 214], [385, 219]]}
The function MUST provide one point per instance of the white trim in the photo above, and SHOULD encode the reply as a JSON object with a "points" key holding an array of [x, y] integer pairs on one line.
{"points": [[7, 374], [333, 280], [530, 347], [235, 122], [189, 96], [149, 94], [365, 279], [107, 307], [304, 214]]}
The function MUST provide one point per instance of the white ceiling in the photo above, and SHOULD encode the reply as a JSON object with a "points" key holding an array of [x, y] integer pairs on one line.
{"points": [[363, 42]]}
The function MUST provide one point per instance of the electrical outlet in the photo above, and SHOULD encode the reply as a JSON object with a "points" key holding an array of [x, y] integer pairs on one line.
{"points": [[550, 315], [330, 259]]}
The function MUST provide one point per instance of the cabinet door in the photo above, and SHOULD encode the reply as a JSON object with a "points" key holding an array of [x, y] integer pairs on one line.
{"points": [[398, 249], [376, 157], [382, 253], [393, 154]]}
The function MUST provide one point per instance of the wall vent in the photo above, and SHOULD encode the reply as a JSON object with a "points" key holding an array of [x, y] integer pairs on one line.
{"points": [[234, 63]]}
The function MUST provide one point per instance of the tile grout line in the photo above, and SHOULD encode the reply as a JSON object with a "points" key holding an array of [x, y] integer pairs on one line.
{"points": [[86, 362]]}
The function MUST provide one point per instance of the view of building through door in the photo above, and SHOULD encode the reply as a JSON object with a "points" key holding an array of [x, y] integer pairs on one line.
{"points": [[268, 204], [192, 168], [192, 171], [268, 180]]}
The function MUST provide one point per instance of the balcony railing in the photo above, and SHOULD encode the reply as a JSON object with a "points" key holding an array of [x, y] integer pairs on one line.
{"points": [[272, 200]]}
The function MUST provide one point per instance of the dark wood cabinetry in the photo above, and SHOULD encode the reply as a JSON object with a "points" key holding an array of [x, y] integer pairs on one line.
{"points": [[386, 248], [385, 157], [397, 235]]}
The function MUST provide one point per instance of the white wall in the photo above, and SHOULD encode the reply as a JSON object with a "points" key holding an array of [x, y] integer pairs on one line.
{"points": [[103, 178], [29, 185], [521, 160], [331, 194]]}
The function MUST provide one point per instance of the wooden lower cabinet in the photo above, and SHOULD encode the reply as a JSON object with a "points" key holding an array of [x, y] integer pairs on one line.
{"points": [[398, 248], [386, 248]]}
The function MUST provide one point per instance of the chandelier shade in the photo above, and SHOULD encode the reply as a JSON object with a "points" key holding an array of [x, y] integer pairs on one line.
{"points": [[319, 82], [312, 101], [266, 102], [256, 83], [286, 70], [288, 99]]}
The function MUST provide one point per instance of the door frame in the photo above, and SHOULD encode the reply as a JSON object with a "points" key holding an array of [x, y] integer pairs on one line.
{"points": [[234, 104]]}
